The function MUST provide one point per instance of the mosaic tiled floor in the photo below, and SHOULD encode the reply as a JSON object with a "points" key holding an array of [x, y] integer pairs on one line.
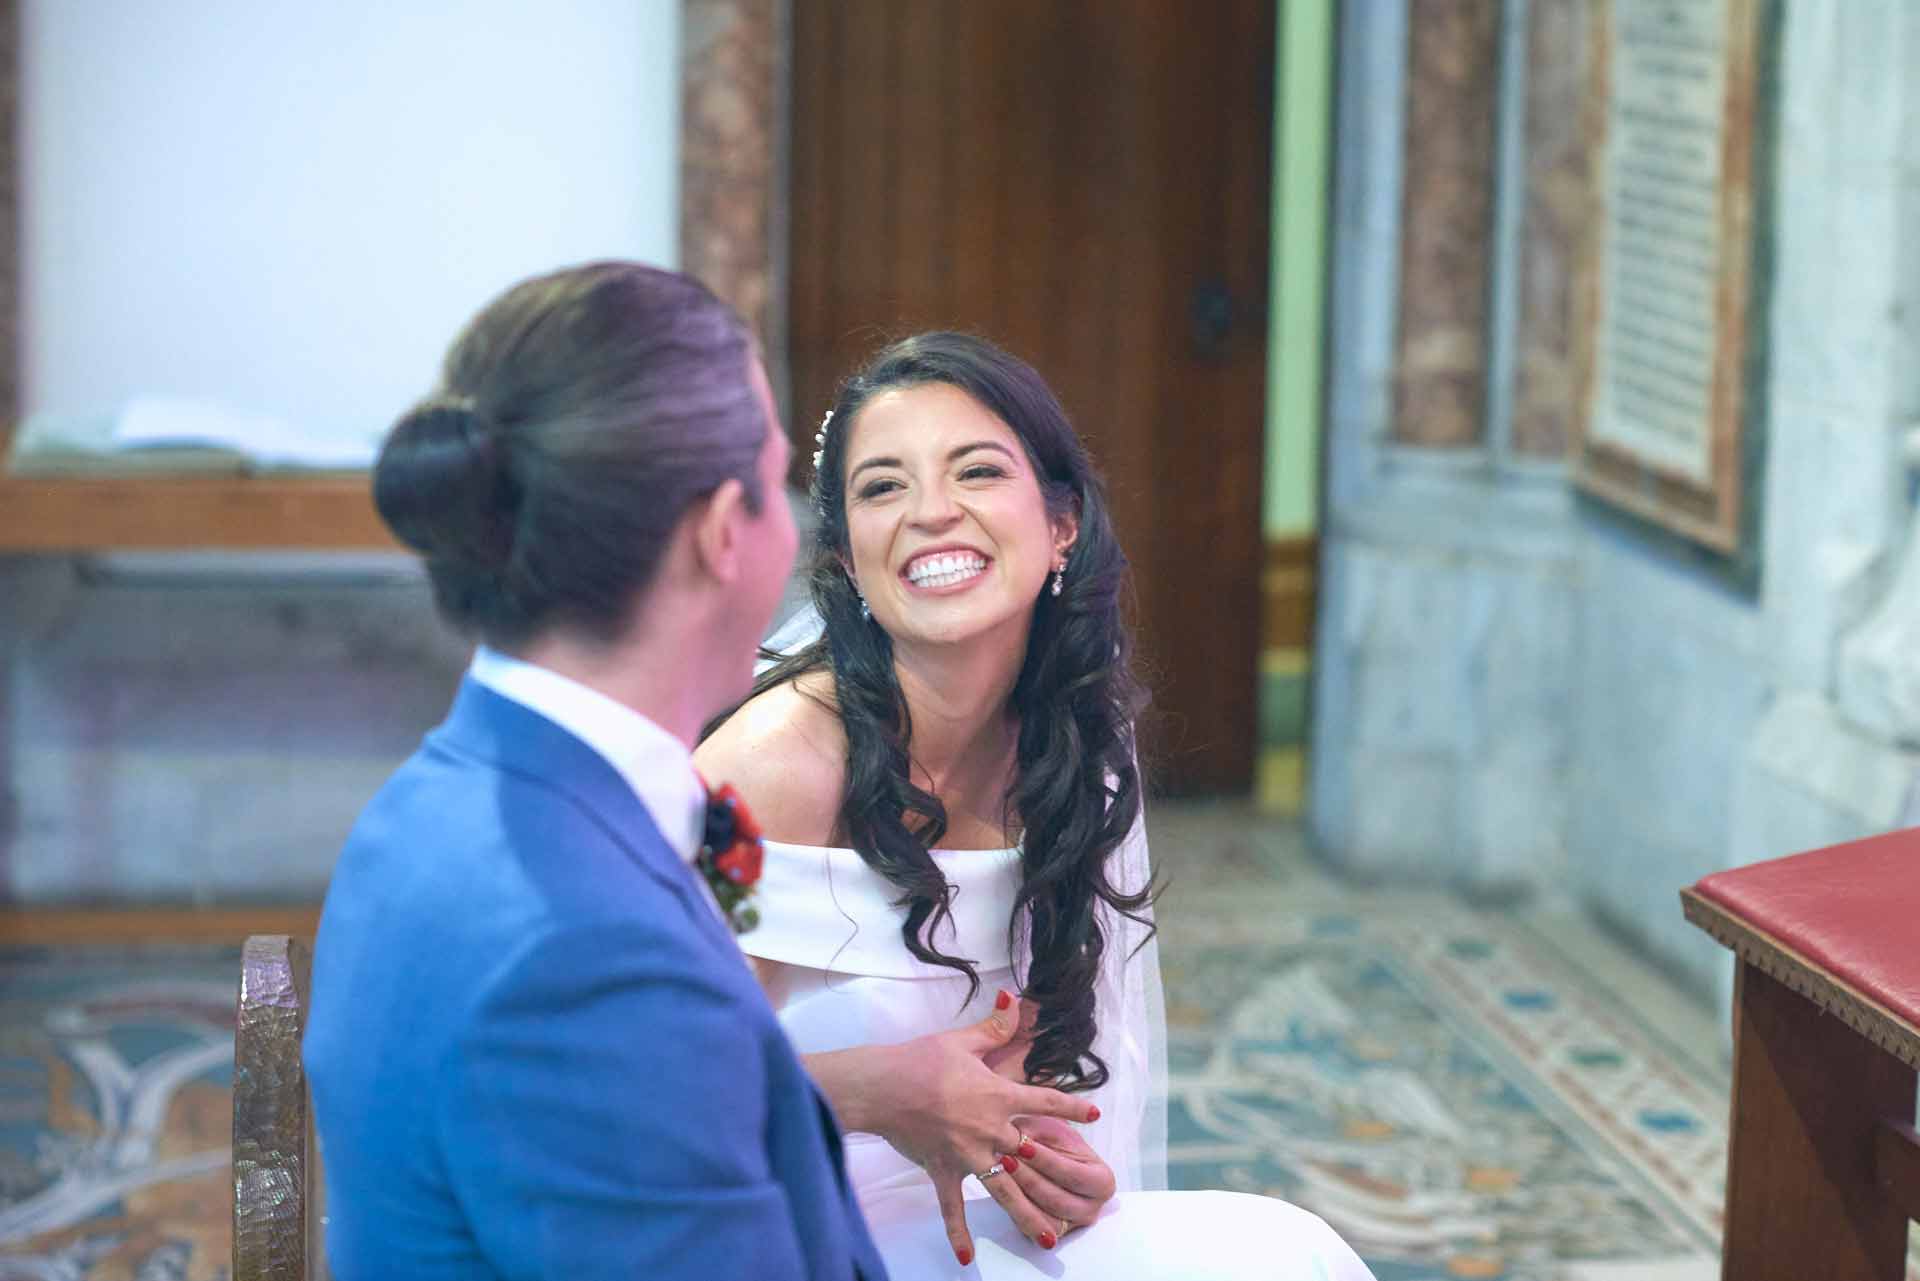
{"points": [[1510, 1094], [116, 1111], [1446, 1086], [1448, 1096]]}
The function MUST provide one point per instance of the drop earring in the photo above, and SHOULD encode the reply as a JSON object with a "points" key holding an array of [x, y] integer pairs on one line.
{"points": [[1059, 578], [866, 610]]}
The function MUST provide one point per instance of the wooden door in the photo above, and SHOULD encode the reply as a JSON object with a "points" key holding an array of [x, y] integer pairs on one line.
{"points": [[1084, 182]]}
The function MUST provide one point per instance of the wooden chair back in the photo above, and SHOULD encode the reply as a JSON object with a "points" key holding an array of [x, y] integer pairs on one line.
{"points": [[276, 1169]]}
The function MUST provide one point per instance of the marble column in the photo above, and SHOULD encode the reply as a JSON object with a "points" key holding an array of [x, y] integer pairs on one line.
{"points": [[1559, 208], [1446, 222], [9, 386], [732, 159], [1448, 591], [9, 211]]}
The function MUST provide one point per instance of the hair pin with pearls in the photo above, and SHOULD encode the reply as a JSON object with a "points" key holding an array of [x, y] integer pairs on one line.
{"points": [[820, 441]]}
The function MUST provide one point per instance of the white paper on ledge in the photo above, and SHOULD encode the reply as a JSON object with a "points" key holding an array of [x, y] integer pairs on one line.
{"points": [[168, 422]]}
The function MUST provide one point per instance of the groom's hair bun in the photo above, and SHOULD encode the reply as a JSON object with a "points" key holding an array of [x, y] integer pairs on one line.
{"points": [[579, 414], [441, 485]]}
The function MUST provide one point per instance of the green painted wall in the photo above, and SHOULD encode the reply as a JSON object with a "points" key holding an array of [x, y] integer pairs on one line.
{"points": [[1302, 137]]}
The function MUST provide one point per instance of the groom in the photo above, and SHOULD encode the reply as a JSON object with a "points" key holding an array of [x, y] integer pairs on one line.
{"points": [[535, 1048]]}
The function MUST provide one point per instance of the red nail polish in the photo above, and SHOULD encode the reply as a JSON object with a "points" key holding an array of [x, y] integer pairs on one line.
{"points": [[1093, 1112], [1027, 1149], [1048, 1240], [1003, 1000], [1009, 1164], [963, 1254]]}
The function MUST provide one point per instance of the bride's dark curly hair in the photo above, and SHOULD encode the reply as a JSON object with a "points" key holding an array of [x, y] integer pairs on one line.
{"points": [[1077, 790]]}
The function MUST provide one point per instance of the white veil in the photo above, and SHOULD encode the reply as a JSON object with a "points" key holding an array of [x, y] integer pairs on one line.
{"points": [[1130, 1007], [1131, 1015]]}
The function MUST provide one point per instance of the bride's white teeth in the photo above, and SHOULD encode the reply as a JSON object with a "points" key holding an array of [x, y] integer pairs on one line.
{"points": [[945, 569]]}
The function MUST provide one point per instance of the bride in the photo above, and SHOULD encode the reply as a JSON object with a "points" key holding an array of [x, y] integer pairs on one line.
{"points": [[957, 901]]}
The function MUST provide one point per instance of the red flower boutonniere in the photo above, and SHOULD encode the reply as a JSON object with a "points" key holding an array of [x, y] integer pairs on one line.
{"points": [[730, 856]]}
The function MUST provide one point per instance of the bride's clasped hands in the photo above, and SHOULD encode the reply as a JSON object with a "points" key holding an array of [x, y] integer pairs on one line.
{"points": [[956, 1103]]}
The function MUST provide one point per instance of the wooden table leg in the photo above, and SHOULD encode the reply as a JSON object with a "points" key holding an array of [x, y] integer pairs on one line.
{"points": [[1809, 1093]]}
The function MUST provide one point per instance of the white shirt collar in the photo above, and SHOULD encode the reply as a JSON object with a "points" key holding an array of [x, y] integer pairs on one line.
{"points": [[655, 764]]}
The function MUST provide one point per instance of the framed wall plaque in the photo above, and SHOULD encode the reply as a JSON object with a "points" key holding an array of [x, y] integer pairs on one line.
{"points": [[1671, 333]]}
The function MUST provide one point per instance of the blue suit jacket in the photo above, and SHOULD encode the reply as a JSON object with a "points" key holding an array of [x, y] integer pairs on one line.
{"points": [[536, 1051]]}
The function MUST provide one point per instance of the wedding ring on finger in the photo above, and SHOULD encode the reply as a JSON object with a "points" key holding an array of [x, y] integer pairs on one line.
{"points": [[990, 1171]]}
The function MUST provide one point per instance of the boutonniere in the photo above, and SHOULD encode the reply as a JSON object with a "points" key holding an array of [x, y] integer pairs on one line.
{"points": [[730, 856]]}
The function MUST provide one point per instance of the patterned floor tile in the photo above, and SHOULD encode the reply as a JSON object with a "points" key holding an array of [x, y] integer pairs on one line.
{"points": [[1459, 1096], [116, 1110]]}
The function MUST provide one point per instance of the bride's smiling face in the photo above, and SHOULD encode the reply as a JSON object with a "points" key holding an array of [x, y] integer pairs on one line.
{"points": [[947, 529]]}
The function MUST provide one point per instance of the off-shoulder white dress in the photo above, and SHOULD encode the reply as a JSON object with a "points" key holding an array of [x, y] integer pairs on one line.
{"points": [[846, 979]]}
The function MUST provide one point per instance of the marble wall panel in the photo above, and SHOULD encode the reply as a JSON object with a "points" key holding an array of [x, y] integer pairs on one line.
{"points": [[210, 742], [1558, 208], [1443, 752], [1669, 680], [1446, 222], [732, 179]]}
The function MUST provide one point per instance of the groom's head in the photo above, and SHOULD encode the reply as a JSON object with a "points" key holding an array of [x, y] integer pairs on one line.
{"points": [[602, 454]]}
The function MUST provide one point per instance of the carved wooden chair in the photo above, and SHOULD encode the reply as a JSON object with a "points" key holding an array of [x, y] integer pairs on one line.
{"points": [[1823, 1164], [276, 1169]]}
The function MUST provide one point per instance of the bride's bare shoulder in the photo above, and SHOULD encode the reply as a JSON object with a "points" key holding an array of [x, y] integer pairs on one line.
{"points": [[786, 753]]}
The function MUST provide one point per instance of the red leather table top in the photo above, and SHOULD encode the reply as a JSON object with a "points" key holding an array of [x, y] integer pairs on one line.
{"points": [[1853, 910]]}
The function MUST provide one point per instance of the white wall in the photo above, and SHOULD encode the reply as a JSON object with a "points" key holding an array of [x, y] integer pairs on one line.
{"points": [[291, 208]]}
